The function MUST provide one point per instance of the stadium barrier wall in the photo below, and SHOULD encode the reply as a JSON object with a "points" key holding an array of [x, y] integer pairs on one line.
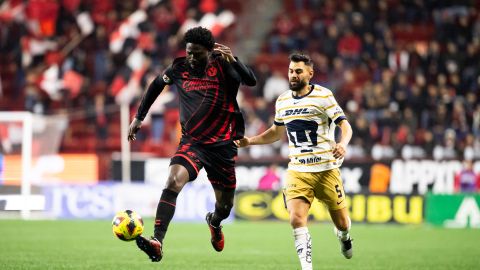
{"points": [[453, 211], [386, 177], [378, 192], [370, 208], [64, 168], [103, 200]]}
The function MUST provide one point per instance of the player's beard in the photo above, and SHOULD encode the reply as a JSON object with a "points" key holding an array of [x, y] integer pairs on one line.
{"points": [[299, 85]]}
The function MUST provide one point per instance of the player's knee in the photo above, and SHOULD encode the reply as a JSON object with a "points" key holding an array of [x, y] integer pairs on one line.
{"points": [[175, 183], [297, 220]]}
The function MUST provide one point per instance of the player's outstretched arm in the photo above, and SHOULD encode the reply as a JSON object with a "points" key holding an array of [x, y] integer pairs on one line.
{"points": [[270, 135], [341, 147], [154, 89]]}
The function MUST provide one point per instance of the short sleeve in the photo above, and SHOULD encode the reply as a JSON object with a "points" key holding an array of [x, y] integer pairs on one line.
{"points": [[333, 110], [278, 121]]}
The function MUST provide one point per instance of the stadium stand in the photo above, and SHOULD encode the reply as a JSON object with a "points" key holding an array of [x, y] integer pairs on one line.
{"points": [[397, 69], [395, 66]]}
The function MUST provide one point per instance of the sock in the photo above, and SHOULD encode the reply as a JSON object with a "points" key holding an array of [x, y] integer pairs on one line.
{"points": [[221, 213], [303, 244], [345, 235], [165, 211]]}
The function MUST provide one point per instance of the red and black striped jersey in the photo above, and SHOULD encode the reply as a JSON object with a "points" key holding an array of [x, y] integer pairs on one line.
{"points": [[209, 112]]}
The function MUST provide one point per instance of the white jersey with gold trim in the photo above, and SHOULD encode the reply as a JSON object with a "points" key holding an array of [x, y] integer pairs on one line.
{"points": [[310, 123]]}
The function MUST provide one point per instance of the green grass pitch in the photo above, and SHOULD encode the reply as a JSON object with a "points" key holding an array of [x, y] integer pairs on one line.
{"points": [[249, 245]]}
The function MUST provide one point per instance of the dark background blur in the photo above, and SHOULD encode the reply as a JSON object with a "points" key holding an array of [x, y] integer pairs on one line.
{"points": [[407, 73]]}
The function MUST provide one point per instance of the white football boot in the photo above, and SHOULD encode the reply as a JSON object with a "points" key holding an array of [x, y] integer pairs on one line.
{"points": [[346, 245]]}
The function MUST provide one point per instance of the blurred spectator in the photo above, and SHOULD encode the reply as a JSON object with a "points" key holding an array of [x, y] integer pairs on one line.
{"points": [[157, 113], [85, 58], [471, 148], [467, 180], [330, 42], [274, 86], [271, 179], [262, 72], [476, 121], [281, 39], [420, 95], [5, 144], [409, 69], [349, 47], [262, 110], [398, 60], [446, 150]]}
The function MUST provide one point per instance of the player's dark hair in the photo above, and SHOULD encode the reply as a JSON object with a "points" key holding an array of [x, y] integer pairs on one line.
{"points": [[200, 35], [300, 57]]}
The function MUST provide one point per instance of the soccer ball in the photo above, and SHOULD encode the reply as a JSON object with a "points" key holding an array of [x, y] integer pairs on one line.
{"points": [[127, 225]]}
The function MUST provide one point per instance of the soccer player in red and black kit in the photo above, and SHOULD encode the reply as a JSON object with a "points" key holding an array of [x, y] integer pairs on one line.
{"points": [[207, 80]]}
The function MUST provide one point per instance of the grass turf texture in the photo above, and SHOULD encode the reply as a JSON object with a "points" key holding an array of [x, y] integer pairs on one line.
{"points": [[249, 245]]}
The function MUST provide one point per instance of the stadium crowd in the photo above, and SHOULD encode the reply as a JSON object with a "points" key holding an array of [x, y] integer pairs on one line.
{"points": [[406, 72]]}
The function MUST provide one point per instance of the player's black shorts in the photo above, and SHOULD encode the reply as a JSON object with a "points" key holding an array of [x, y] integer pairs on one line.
{"points": [[218, 161]]}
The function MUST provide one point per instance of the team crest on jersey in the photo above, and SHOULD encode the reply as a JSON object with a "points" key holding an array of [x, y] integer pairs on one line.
{"points": [[166, 79], [212, 71]]}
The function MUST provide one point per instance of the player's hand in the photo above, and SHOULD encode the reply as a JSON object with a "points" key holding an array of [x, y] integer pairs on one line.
{"points": [[339, 150], [134, 128], [243, 142], [225, 51]]}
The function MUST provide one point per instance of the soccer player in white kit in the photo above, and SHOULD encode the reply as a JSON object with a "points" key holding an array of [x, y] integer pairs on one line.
{"points": [[309, 113]]}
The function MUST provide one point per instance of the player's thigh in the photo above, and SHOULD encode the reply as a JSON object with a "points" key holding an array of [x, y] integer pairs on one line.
{"points": [[220, 167], [299, 185], [190, 157], [329, 189]]}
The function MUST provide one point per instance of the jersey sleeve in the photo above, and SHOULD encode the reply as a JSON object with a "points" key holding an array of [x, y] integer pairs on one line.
{"points": [[154, 89], [236, 71], [278, 121], [247, 76], [333, 110]]}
